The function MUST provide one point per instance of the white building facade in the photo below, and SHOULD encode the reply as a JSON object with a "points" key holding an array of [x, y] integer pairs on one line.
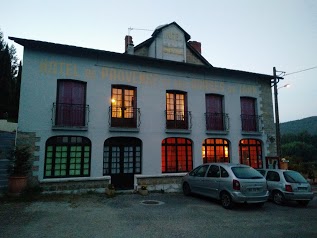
{"points": [[146, 116]]}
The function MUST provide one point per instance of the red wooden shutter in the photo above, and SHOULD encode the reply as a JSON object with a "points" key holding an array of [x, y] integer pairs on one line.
{"points": [[214, 112]]}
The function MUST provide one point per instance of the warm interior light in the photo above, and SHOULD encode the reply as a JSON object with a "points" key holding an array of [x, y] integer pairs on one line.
{"points": [[226, 152], [203, 152], [113, 101]]}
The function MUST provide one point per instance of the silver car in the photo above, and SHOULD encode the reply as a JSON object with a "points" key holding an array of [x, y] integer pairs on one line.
{"points": [[230, 183], [285, 185]]}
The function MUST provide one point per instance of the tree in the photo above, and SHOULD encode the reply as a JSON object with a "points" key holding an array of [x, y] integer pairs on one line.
{"points": [[9, 81], [301, 151]]}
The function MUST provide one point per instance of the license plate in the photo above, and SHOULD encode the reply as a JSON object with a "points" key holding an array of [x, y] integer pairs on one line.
{"points": [[302, 188], [254, 189]]}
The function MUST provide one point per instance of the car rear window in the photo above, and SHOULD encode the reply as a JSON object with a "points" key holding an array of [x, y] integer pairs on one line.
{"points": [[246, 173], [294, 177]]}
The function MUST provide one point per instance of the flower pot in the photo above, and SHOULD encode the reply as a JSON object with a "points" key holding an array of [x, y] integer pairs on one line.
{"points": [[283, 165], [110, 192], [143, 192], [17, 184]]}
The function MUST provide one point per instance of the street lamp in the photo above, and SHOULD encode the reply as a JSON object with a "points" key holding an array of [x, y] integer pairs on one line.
{"points": [[284, 86]]}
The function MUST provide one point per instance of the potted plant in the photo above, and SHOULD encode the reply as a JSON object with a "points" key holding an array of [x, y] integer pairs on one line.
{"points": [[21, 166], [143, 190], [110, 191]]}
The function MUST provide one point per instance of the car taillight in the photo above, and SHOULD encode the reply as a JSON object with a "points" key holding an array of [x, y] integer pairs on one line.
{"points": [[236, 184], [288, 188]]}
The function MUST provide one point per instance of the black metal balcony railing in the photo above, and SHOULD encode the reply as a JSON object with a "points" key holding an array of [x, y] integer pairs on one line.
{"points": [[125, 117], [251, 123], [70, 115], [217, 121], [178, 119]]}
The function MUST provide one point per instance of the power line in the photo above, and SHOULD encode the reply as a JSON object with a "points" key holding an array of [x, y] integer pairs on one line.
{"points": [[301, 71]]}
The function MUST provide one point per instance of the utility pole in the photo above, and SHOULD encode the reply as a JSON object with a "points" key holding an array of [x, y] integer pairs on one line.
{"points": [[277, 117]]}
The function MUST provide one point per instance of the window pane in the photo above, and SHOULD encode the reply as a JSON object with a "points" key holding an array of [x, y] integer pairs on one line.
{"points": [[67, 156]]}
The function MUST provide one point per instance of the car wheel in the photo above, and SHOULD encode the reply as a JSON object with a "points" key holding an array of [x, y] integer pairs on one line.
{"points": [[226, 200], [303, 203], [278, 198], [186, 189]]}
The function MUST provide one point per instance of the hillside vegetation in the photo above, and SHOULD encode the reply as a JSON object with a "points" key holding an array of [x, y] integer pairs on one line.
{"points": [[308, 124], [299, 145]]}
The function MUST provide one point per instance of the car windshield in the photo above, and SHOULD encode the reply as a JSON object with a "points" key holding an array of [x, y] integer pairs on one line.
{"points": [[294, 177], [246, 173]]}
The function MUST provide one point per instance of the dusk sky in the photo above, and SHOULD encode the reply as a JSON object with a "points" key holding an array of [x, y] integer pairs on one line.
{"points": [[247, 35]]}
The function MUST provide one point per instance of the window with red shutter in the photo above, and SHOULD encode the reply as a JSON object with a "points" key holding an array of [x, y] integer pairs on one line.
{"points": [[71, 103], [248, 114], [214, 112]]}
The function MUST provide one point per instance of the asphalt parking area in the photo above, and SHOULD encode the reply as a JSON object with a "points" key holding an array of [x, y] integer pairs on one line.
{"points": [[155, 215]]}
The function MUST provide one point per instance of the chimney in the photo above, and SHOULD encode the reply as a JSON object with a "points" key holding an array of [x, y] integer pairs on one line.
{"points": [[128, 45], [196, 45]]}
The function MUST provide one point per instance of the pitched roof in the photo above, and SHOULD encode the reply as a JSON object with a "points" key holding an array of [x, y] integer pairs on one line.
{"points": [[160, 28], [87, 52]]}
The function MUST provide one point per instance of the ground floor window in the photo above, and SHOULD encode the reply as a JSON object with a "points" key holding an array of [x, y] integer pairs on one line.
{"points": [[67, 156], [215, 150], [250, 151], [177, 155], [122, 155]]}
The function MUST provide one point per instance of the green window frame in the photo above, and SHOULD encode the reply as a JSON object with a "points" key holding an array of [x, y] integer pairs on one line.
{"points": [[67, 156]]}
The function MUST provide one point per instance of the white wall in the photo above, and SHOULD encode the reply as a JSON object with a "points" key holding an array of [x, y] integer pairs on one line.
{"points": [[39, 84]]}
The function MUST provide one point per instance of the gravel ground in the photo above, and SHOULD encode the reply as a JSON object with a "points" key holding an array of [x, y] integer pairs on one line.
{"points": [[162, 215]]}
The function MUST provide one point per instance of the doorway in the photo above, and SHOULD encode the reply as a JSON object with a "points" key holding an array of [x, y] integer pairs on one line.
{"points": [[122, 160]]}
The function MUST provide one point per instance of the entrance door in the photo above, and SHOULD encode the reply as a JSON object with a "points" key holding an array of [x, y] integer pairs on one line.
{"points": [[122, 159]]}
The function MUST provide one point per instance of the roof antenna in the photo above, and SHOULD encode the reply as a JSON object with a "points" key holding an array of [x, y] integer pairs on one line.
{"points": [[138, 29]]}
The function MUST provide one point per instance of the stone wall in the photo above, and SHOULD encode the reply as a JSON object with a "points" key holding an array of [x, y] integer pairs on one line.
{"points": [[163, 183], [80, 186], [191, 58], [266, 106]]}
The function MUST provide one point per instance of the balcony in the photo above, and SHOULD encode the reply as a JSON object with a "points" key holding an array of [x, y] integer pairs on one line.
{"points": [[178, 120], [70, 116], [217, 122], [124, 118], [251, 124]]}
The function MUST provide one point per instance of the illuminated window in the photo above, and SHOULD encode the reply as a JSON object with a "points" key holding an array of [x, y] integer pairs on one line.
{"points": [[215, 150], [176, 155], [67, 156], [176, 110], [250, 151], [123, 106]]}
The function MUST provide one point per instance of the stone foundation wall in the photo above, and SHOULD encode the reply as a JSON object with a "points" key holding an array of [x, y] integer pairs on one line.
{"points": [[160, 183], [98, 186]]}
